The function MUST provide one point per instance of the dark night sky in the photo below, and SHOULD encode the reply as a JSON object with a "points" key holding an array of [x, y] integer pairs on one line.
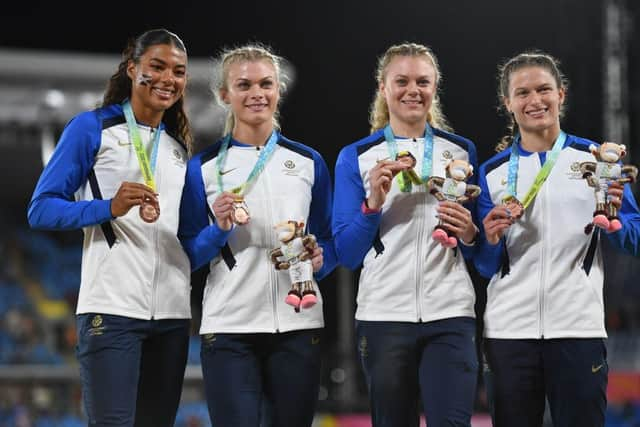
{"points": [[334, 46]]}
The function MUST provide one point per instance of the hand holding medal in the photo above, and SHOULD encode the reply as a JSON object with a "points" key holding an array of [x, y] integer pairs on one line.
{"points": [[239, 212], [132, 194]]}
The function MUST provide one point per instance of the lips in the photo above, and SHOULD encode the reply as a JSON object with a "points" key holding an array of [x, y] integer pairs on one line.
{"points": [[257, 107], [411, 102], [163, 93], [538, 112]]}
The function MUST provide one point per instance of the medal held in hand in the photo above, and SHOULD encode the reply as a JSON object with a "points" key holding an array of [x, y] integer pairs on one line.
{"points": [[514, 207], [511, 201], [240, 213], [149, 208]]}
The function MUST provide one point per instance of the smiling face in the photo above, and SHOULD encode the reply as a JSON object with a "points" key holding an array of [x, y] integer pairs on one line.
{"points": [[158, 80], [251, 89], [408, 88], [534, 99]]}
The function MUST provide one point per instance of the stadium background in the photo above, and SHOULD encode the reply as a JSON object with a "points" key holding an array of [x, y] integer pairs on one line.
{"points": [[56, 57]]}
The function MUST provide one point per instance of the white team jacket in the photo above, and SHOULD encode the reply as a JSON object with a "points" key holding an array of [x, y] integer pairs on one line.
{"points": [[129, 267], [244, 293], [406, 275], [550, 276]]}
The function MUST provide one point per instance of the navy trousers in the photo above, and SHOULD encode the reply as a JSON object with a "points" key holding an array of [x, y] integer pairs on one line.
{"points": [[436, 360], [131, 370], [241, 369], [570, 373]]}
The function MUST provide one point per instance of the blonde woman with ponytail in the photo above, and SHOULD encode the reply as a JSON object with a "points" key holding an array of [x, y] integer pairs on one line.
{"points": [[254, 345], [415, 316]]}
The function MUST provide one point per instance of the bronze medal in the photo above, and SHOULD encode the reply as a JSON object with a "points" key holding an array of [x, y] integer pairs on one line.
{"points": [[240, 211], [149, 211], [514, 206]]}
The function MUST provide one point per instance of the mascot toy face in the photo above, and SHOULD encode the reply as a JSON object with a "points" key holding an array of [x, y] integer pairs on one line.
{"points": [[285, 231], [459, 170], [611, 152]]}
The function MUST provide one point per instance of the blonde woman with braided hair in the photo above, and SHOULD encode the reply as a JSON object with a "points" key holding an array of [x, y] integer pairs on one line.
{"points": [[415, 316], [255, 346]]}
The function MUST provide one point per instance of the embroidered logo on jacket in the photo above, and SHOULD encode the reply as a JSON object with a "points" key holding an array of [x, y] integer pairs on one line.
{"points": [[290, 168]]}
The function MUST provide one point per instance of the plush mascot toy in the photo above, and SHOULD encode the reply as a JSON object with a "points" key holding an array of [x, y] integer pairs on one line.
{"points": [[453, 188], [294, 254], [599, 175]]}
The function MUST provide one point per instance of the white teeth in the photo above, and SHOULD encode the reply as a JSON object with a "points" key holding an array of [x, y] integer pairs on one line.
{"points": [[164, 92]]}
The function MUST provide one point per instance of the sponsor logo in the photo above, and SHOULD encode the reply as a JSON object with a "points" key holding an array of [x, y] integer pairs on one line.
{"points": [[227, 171], [595, 368], [96, 321], [363, 347], [97, 327], [574, 171]]}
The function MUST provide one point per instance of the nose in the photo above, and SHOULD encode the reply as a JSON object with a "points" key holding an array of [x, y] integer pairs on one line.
{"points": [[256, 92], [412, 88], [168, 76]]}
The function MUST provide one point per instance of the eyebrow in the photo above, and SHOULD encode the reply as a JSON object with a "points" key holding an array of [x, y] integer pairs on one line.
{"points": [[245, 79], [163, 62]]}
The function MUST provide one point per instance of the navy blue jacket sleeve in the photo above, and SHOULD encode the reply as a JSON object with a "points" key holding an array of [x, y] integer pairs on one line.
{"points": [[201, 241], [488, 257], [320, 215], [53, 206], [353, 231], [627, 239], [468, 252]]}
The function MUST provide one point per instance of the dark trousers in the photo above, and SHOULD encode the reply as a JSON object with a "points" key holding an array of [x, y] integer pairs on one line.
{"points": [[570, 373], [436, 360], [131, 370], [241, 369]]}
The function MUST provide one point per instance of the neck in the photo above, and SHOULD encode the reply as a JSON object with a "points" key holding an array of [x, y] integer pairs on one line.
{"points": [[410, 130], [252, 135], [539, 141], [145, 115]]}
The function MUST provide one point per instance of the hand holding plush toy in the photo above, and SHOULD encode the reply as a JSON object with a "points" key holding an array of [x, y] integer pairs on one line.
{"points": [[295, 255], [600, 175], [453, 188]]}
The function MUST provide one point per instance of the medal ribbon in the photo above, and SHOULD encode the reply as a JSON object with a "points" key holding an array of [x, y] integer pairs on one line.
{"points": [[512, 178], [148, 168], [427, 156], [265, 154]]}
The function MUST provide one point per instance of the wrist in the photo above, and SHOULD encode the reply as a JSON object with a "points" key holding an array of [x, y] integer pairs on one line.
{"points": [[367, 210], [472, 240]]}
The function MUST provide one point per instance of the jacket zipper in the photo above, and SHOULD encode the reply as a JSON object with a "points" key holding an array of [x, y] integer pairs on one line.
{"points": [[543, 266], [273, 279], [419, 246], [156, 263]]}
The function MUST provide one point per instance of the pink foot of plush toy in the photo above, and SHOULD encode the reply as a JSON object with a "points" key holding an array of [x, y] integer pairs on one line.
{"points": [[614, 225], [451, 242], [601, 221], [293, 299], [440, 236], [309, 299]]}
